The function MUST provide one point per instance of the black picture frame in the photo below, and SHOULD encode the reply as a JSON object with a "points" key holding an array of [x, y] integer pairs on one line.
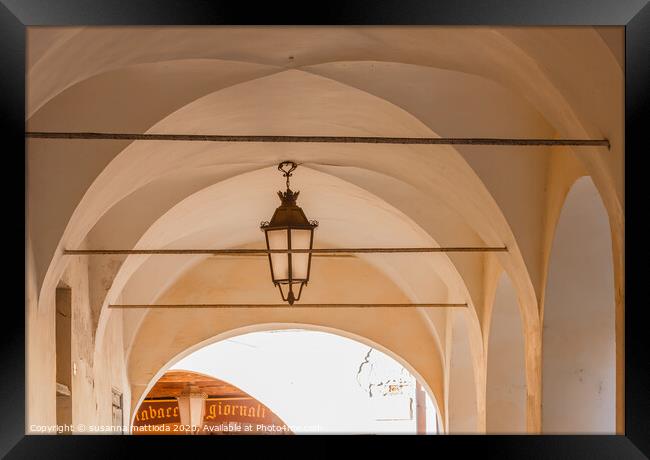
{"points": [[634, 15]]}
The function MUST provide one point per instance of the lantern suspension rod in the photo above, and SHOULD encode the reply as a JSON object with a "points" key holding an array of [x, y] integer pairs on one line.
{"points": [[77, 252], [322, 139], [296, 305], [287, 168]]}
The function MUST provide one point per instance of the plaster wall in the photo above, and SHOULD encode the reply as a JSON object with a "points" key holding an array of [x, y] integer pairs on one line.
{"points": [[40, 359], [93, 374], [463, 403], [579, 371], [506, 377]]}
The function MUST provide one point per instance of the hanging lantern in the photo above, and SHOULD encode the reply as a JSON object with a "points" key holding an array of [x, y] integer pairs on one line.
{"points": [[289, 230], [191, 408]]}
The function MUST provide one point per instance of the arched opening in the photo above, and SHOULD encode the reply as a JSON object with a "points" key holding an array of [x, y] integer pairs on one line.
{"points": [[579, 315], [320, 382], [506, 376], [189, 402]]}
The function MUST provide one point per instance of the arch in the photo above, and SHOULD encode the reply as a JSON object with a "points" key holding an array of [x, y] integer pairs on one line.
{"points": [[310, 378], [579, 361], [511, 82], [506, 375], [280, 326], [386, 175], [173, 382], [500, 57], [164, 334], [506, 55], [181, 118], [514, 53], [344, 216]]}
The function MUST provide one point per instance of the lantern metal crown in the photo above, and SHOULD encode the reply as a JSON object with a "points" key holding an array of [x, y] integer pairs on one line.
{"points": [[287, 231]]}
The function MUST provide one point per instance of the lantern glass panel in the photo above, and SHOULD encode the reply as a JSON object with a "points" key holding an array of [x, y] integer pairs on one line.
{"points": [[300, 239], [280, 262]]}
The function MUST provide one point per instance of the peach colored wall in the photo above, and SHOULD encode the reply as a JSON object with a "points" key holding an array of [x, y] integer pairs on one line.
{"points": [[506, 376], [384, 81], [94, 373], [463, 404], [40, 356], [579, 320]]}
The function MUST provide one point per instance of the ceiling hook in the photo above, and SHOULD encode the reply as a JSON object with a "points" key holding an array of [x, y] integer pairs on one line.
{"points": [[287, 167], [287, 164]]}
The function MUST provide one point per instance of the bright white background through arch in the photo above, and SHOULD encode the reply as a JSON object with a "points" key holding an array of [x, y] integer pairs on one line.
{"points": [[316, 381]]}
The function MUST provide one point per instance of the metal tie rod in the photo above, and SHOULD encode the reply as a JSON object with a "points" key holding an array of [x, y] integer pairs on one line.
{"points": [[321, 139], [281, 251], [294, 306]]}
